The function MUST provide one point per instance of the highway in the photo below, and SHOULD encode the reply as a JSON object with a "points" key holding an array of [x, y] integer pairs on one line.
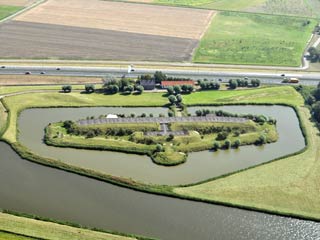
{"points": [[269, 78]]}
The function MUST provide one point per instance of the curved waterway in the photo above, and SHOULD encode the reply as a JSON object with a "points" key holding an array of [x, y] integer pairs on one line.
{"points": [[199, 166], [36, 189]]}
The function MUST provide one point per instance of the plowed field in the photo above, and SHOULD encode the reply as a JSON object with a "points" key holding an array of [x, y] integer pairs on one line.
{"points": [[124, 17]]}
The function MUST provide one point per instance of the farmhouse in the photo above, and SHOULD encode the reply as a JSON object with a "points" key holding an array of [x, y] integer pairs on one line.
{"points": [[148, 84], [165, 84]]}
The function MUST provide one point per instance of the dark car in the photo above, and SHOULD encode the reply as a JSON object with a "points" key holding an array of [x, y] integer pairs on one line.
{"points": [[282, 75], [43, 73], [27, 73], [3, 66], [58, 69]]}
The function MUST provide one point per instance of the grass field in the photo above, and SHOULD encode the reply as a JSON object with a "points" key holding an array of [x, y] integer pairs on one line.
{"points": [[241, 38], [282, 94], [6, 11], [291, 185], [306, 8], [47, 230]]}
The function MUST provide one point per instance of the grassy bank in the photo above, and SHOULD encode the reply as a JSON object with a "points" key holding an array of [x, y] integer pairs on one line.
{"points": [[289, 186], [269, 95], [27, 229], [6, 11], [240, 38]]}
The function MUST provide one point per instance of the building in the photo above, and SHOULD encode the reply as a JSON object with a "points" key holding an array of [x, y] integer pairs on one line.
{"points": [[148, 84], [166, 84]]}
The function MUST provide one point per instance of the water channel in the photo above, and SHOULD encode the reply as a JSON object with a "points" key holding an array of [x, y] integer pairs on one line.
{"points": [[199, 166], [32, 188]]}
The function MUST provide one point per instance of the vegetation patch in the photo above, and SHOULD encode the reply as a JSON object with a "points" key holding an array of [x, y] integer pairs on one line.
{"points": [[241, 38], [6, 11]]}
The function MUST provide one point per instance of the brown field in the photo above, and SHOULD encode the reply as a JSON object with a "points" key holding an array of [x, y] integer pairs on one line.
{"points": [[16, 2], [33, 40], [124, 17], [7, 80]]}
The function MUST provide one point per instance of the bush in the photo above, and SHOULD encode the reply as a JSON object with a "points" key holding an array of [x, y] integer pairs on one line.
{"points": [[233, 84], [172, 99], [177, 89]]}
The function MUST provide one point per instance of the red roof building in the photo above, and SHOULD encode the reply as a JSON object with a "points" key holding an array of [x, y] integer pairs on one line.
{"points": [[165, 84]]}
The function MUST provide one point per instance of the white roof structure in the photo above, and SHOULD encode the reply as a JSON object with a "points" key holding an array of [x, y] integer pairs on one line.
{"points": [[112, 116]]}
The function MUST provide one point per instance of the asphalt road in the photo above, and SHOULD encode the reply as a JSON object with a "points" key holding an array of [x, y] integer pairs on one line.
{"points": [[270, 78]]}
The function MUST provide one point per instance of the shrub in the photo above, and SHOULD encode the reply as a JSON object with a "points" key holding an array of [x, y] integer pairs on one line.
{"points": [[216, 145], [159, 148], [237, 143], [140, 89], [227, 144]]}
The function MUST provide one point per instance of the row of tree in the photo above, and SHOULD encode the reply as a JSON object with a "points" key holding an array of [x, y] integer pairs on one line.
{"points": [[234, 83], [177, 89]]}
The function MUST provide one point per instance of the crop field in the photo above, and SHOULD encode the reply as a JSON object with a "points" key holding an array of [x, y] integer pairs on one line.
{"points": [[72, 29], [104, 15], [254, 39]]}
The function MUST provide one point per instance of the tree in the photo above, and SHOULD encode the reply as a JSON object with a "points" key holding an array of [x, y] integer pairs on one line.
{"points": [[129, 89], [159, 148], [67, 88], [262, 139], [216, 145], [237, 143], [255, 82], [140, 89], [89, 88], [227, 144], [184, 88], [190, 88], [233, 84], [159, 77], [179, 98], [177, 89], [316, 111], [170, 90], [112, 89], [172, 99], [314, 54]]}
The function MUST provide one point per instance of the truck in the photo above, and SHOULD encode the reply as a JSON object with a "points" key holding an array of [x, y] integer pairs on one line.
{"points": [[290, 80]]}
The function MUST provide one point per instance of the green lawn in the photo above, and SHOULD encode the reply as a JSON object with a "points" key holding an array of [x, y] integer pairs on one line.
{"points": [[241, 38], [48, 230], [6, 11], [290, 186]]}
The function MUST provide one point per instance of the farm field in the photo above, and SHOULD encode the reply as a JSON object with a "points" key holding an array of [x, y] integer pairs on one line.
{"points": [[9, 80], [16, 2], [162, 21], [237, 38], [48, 41]]}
